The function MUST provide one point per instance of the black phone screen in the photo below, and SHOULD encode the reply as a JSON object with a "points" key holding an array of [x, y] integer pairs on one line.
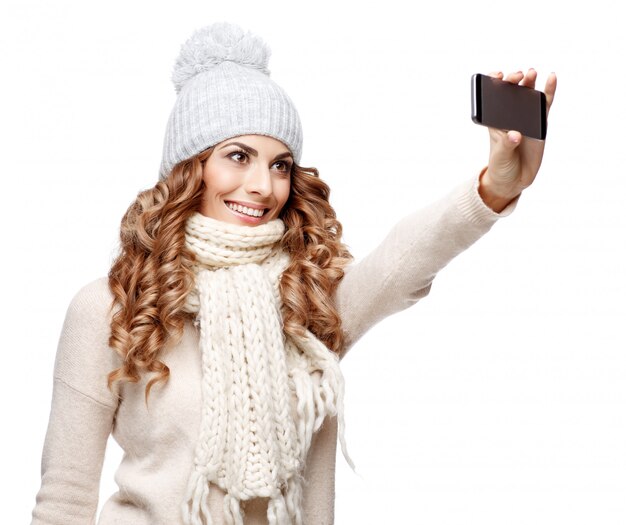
{"points": [[503, 105]]}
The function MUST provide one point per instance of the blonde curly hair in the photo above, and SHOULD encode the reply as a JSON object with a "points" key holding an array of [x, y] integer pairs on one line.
{"points": [[152, 275]]}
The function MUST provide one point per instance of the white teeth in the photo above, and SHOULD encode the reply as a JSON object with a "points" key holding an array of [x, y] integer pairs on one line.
{"points": [[245, 210]]}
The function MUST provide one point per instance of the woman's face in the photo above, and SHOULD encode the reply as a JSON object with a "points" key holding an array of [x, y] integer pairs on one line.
{"points": [[248, 179]]}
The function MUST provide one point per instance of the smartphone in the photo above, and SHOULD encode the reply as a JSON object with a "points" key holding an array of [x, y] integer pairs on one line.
{"points": [[503, 105]]}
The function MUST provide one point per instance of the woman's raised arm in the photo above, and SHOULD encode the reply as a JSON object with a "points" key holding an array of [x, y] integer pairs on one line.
{"points": [[401, 269]]}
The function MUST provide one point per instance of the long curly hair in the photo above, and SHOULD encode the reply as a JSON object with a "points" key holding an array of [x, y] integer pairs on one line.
{"points": [[152, 275]]}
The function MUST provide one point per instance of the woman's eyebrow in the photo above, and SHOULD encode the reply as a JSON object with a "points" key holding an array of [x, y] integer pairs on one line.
{"points": [[254, 152], [282, 155]]}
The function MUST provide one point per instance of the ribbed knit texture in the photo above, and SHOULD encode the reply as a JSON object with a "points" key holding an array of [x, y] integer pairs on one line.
{"points": [[251, 443], [224, 90]]}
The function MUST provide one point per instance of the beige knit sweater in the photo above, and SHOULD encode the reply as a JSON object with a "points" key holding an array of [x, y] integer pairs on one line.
{"points": [[159, 441]]}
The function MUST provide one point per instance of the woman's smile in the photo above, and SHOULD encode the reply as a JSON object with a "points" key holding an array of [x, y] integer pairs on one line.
{"points": [[251, 213]]}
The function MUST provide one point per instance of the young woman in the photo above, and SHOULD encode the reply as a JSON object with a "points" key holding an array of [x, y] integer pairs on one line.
{"points": [[211, 351]]}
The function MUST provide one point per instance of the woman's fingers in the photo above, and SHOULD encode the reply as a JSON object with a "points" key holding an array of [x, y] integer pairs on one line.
{"points": [[529, 79], [515, 78], [550, 89]]}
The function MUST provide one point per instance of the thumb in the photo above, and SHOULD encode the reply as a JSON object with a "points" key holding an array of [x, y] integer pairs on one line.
{"points": [[513, 140], [504, 146], [504, 159]]}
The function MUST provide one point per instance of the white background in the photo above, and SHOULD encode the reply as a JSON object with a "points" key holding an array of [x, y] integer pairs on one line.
{"points": [[501, 398]]}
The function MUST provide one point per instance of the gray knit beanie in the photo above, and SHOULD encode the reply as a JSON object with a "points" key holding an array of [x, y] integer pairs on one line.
{"points": [[224, 90]]}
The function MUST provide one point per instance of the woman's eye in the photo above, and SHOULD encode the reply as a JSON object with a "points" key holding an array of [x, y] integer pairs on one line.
{"points": [[242, 155], [283, 166]]}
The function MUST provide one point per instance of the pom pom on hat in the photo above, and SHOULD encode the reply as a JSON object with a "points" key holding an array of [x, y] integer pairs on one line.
{"points": [[217, 43]]}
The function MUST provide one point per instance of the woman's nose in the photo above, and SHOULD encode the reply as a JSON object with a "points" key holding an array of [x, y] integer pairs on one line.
{"points": [[259, 181]]}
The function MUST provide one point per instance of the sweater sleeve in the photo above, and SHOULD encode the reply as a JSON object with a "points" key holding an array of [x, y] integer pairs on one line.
{"points": [[400, 271], [318, 495], [81, 415]]}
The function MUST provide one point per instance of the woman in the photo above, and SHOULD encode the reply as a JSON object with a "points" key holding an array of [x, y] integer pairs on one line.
{"points": [[211, 352]]}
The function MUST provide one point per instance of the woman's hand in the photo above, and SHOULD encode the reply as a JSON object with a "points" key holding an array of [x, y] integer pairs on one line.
{"points": [[514, 160]]}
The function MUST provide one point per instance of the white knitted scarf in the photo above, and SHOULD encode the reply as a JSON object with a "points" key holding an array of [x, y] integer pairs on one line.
{"points": [[252, 442]]}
